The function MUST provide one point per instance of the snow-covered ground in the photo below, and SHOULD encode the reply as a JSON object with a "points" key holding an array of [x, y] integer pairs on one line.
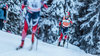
{"points": [[9, 42]]}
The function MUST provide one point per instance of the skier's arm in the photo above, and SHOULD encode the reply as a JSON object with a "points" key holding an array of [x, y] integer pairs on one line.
{"points": [[6, 10], [5, 13], [59, 23], [22, 7], [70, 18], [44, 4], [24, 4], [71, 21], [6, 7]]}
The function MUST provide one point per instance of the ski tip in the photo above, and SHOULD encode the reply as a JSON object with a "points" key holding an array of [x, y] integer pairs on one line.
{"points": [[30, 49], [18, 48]]}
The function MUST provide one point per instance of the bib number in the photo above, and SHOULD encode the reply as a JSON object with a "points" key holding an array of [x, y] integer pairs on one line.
{"points": [[34, 5]]}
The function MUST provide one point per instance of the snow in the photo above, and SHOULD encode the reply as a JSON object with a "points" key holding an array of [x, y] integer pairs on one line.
{"points": [[9, 42]]}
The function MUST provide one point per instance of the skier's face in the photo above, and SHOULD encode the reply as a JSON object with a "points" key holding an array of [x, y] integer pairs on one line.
{"points": [[67, 14]]}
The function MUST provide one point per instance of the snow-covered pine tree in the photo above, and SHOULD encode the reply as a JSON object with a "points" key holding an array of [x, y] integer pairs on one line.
{"points": [[86, 26], [86, 16], [14, 22]]}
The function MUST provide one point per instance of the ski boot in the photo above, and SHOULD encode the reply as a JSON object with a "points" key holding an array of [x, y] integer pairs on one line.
{"points": [[59, 44], [21, 46], [64, 42], [31, 47]]}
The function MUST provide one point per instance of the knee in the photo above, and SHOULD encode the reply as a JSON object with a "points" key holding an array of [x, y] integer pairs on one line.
{"points": [[34, 28], [61, 34], [66, 36]]}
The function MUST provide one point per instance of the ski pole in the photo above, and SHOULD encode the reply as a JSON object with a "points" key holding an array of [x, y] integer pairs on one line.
{"points": [[36, 44], [37, 35]]}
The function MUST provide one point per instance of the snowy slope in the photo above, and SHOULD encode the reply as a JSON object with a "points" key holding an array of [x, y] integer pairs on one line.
{"points": [[9, 42]]}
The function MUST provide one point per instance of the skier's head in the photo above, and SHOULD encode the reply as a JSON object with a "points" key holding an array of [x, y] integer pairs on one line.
{"points": [[4, 6], [67, 14]]}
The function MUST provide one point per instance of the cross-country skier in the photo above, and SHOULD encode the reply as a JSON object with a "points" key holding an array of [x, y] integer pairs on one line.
{"points": [[64, 24], [3, 14], [33, 13]]}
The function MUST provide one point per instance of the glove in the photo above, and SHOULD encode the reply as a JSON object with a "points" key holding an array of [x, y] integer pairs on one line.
{"points": [[59, 24], [4, 21], [6, 6], [45, 6], [23, 6]]}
